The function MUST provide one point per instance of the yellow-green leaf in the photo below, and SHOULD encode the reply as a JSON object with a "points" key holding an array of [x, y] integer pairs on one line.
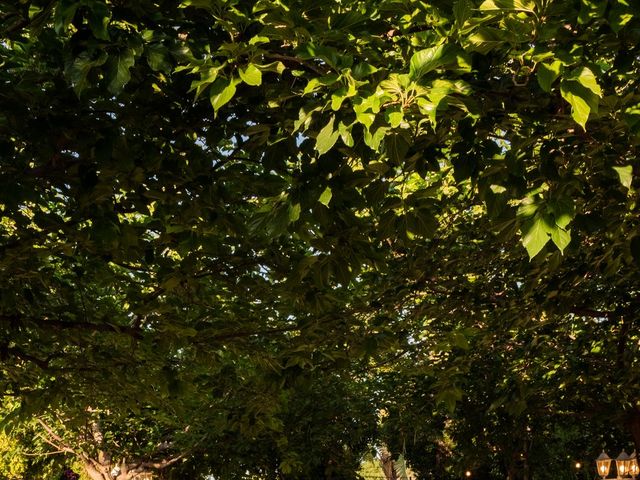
{"points": [[345, 134], [548, 73], [535, 235], [251, 75], [120, 74], [222, 91], [326, 138], [326, 196], [580, 108], [561, 238], [424, 61], [587, 79], [294, 212], [509, 5], [373, 139], [625, 174]]}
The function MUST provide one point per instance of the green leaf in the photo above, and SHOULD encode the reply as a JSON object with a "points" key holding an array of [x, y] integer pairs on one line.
{"points": [[396, 148], [251, 75], [345, 134], [585, 77], [535, 235], [294, 212], [157, 55], [591, 10], [509, 5], [429, 109], [65, 10], [485, 39], [258, 40], [395, 117], [326, 196], [528, 208], [315, 83], [620, 15], [120, 74], [462, 11], [79, 70], [427, 60], [222, 91], [98, 18], [563, 211], [580, 104], [561, 238], [362, 70], [362, 115], [373, 140], [338, 97], [548, 73], [625, 174], [327, 137], [277, 67]]}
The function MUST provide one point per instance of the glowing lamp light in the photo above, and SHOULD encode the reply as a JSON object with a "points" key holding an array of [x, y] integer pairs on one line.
{"points": [[467, 474], [622, 464], [603, 462], [634, 469]]}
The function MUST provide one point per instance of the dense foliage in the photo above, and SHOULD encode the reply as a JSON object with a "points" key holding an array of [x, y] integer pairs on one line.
{"points": [[263, 237]]}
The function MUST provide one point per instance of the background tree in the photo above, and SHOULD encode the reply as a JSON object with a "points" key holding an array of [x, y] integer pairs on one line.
{"points": [[205, 203]]}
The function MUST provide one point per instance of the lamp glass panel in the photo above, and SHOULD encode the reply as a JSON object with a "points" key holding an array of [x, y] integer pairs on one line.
{"points": [[603, 467], [622, 464], [603, 464]]}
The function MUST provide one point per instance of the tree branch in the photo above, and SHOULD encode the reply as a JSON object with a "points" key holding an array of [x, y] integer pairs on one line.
{"points": [[588, 312], [61, 444], [43, 364], [299, 61], [63, 325], [159, 465]]}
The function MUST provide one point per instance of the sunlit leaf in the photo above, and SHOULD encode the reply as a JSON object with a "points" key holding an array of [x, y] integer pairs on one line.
{"points": [[327, 137], [625, 174], [250, 75], [325, 197]]}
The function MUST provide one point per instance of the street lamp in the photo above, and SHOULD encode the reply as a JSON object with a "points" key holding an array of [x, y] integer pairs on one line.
{"points": [[634, 469], [622, 464], [626, 466], [603, 463]]}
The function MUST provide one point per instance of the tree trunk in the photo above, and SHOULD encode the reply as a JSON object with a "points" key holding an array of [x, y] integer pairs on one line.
{"points": [[101, 468], [633, 424], [386, 462], [97, 471]]}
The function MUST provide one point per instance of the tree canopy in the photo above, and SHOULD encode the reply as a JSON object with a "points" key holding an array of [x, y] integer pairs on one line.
{"points": [[264, 237]]}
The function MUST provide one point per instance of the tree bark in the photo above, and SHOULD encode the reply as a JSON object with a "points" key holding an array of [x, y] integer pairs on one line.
{"points": [[100, 468], [633, 424], [94, 473], [386, 462]]}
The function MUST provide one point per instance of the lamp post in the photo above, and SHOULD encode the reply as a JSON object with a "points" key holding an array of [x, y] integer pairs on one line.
{"points": [[626, 466]]}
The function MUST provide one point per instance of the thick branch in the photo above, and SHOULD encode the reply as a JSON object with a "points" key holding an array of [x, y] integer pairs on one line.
{"points": [[54, 439], [159, 465], [43, 364], [587, 312], [64, 325]]}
